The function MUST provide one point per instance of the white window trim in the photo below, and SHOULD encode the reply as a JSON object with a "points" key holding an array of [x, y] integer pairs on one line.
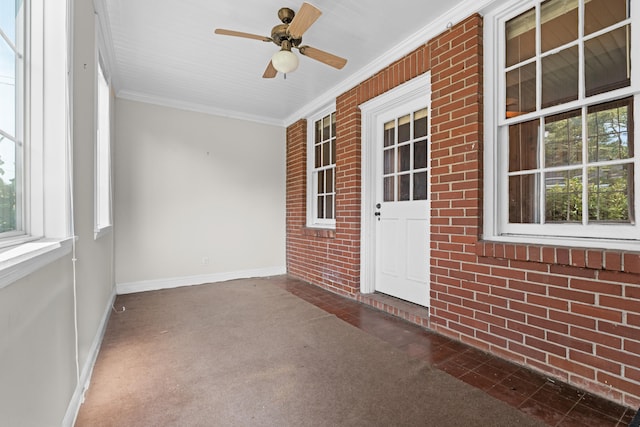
{"points": [[312, 221], [495, 188], [416, 88], [47, 215], [103, 224]]}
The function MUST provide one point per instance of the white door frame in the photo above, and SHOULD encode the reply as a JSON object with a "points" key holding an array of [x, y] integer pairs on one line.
{"points": [[419, 87]]}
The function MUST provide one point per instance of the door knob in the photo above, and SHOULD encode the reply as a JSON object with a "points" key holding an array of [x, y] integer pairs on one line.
{"points": [[378, 205]]}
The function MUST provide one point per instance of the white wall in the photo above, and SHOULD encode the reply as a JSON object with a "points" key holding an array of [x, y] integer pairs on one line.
{"points": [[38, 384], [192, 187]]}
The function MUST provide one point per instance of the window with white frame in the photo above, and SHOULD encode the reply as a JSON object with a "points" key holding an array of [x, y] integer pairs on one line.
{"points": [[564, 157], [103, 152], [12, 25], [35, 118], [322, 166]]}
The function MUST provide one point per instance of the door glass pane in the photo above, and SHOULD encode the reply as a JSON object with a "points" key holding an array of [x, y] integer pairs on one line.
{"points": [[559, 19], [521, 38], [404, 158], [420, 186], [560, 77], [389, 161], [563, 139], [524, 193], [523, 146], [420, 123], [611, 194], [389, 133], [563, 196], [521, 90], [599, 14], [420, 154], [606, 59], [404, 128], [608, 131], [404, 187], [389, 189]]}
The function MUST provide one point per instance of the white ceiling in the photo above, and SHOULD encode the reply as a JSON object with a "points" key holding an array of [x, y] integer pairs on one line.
{"points": [[164, 51]]}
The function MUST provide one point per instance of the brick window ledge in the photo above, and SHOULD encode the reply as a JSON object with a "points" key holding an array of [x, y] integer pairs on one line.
{"points": [[597, 259], [323, 233]]}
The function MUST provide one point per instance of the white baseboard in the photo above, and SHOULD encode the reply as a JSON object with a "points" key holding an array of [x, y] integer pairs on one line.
{"points": [[85, 376], [176, 282]]}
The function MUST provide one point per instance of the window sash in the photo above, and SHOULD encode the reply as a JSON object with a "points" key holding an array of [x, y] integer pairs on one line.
{"points": [[501, 226], [321, 178]]}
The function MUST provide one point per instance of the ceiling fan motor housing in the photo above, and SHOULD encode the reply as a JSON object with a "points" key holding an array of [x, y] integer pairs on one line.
{"points": [[279, 33]]}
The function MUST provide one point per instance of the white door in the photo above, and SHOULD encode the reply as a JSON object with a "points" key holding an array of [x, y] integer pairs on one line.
{"points": [[402, 206]]}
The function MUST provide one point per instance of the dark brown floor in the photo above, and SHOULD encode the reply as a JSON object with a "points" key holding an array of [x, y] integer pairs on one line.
{"points": [[557, 404]]}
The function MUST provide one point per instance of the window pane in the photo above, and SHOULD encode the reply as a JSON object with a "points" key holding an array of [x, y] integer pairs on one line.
{"points": [[563, 139], [389, 133], [611, 194], [329, 214], [563, 196], [321, 207], [606, 60], [404, 128], [559, 23], [404, 186], [320, 180], [333, 124], [318, 133], [326, 123], [420, 186], [524, 193], [599, 14], [389, 161], [420, 123], [523, 146], [521, 90], [404, 158], [560, 77], [318, 156], [333, 151], [389, 189], [420, 154], [521, 38], [326, 153], [7, 88], [608, 132], [329, 181]]}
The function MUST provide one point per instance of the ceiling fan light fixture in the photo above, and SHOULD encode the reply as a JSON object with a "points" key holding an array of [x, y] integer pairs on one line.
{"points": [[285, 61]]}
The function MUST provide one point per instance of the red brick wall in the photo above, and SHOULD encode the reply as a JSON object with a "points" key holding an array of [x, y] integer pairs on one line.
{"points": [[571, 313]]}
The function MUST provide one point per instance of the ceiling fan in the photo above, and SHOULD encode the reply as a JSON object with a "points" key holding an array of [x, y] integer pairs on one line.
{"points": [[288, 35]]}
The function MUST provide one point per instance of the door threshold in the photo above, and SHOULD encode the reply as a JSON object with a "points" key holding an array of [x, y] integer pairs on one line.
{"points": [[408, 311]]}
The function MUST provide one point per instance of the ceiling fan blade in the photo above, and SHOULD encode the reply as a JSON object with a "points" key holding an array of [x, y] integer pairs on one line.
{"points": [[241, 34], [322, 56], [270, 72], [301, 22]]}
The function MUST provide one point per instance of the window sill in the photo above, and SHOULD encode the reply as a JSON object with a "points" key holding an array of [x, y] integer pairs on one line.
{"points": [[22, 260], [324, 233], [611, 259], [102, 232]]}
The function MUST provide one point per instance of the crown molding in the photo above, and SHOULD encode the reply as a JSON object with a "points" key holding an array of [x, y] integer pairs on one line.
{"points": [[195, 107]]}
